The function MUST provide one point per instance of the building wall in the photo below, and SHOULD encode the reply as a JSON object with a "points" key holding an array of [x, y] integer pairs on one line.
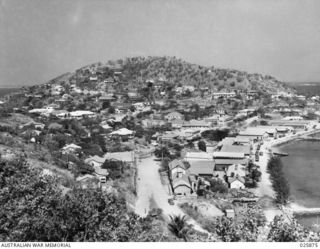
{"points": [[237, 185], [182, 190], [175, 171]]}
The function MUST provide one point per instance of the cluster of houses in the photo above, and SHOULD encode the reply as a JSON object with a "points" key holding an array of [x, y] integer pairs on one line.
{"points": [[228, 162]]}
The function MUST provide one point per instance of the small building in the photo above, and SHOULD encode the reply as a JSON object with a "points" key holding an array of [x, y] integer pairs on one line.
{"points": [[229, 213], [181, 186], [70, 148], [224, 164], [123, 132], [174, 115], [177, 168], [226, 95], [236, 182], [124, 156], [95, 161], [82, 114], [196, 124]]}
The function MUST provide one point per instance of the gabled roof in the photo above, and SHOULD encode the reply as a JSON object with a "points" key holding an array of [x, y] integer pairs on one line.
{"points": [[177, 163], [184, 180], [233, 179]]}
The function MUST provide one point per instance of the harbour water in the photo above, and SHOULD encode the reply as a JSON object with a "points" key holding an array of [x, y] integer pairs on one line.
{"points": [[4, 91], [302, 169]]}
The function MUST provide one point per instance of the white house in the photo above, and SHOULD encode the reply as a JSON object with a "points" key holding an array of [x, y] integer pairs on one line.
{"points": [[95, 161], [70, 148], [81, 114], [224, 95], [174, 115], [236, 182]]}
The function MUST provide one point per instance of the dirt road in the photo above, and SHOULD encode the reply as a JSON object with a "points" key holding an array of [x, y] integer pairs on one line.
{"points": [[150, 186]]}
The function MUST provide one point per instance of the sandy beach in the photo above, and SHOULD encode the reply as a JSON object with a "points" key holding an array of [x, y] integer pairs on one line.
{"points": [[264, 188]]}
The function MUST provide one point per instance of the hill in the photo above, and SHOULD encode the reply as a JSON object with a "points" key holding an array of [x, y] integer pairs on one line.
{"points": [[137, 70]]}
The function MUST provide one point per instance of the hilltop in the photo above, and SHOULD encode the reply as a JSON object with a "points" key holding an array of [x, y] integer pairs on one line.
{"points": [[134, 72]]}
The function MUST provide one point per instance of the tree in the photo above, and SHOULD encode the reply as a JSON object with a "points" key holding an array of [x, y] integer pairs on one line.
{"points": [[202, 145], [33, 208], [279, 181], [289, 231], [111, 110], [114, 167], [179, 227], [105, 104], [217, 185]]}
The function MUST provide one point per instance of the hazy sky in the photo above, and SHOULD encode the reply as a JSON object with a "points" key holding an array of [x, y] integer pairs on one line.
{"points": [[41, 39]]}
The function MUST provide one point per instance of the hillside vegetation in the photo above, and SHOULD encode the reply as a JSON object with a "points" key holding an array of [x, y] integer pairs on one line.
{"points": [[137, 70]]}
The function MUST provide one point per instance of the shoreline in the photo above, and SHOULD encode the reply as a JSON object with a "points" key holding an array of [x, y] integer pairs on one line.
{"points": [[265, 188]]}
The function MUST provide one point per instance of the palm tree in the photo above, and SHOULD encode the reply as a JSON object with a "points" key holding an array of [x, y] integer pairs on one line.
{"points": [[179, 227]]}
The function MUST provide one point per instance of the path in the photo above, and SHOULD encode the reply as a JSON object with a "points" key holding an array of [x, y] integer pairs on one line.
{"points": [[150, 186]]}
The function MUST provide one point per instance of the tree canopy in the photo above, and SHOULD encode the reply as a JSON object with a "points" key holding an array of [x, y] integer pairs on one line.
{"points": [[34, 208]]}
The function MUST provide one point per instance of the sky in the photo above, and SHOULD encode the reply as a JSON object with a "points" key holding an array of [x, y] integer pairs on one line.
{"points": [[42, 39]]}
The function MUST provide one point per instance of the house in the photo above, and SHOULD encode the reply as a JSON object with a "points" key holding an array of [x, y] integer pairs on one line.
{"points": [[258, 133], [229, 213], [35, 124], [188, 88], [87, 181], [124, 156], [177, 168], [177, 123], [202, 168], [226, 95], [123, 132], [95, 161], [169, 136], [181, 186], [245, 149], [293, 118], [93, 78], [224, 164], [196, 124], [62, 114], [107, 97], [70, 148], [236, 182], [174, 115], [82, 114]]}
